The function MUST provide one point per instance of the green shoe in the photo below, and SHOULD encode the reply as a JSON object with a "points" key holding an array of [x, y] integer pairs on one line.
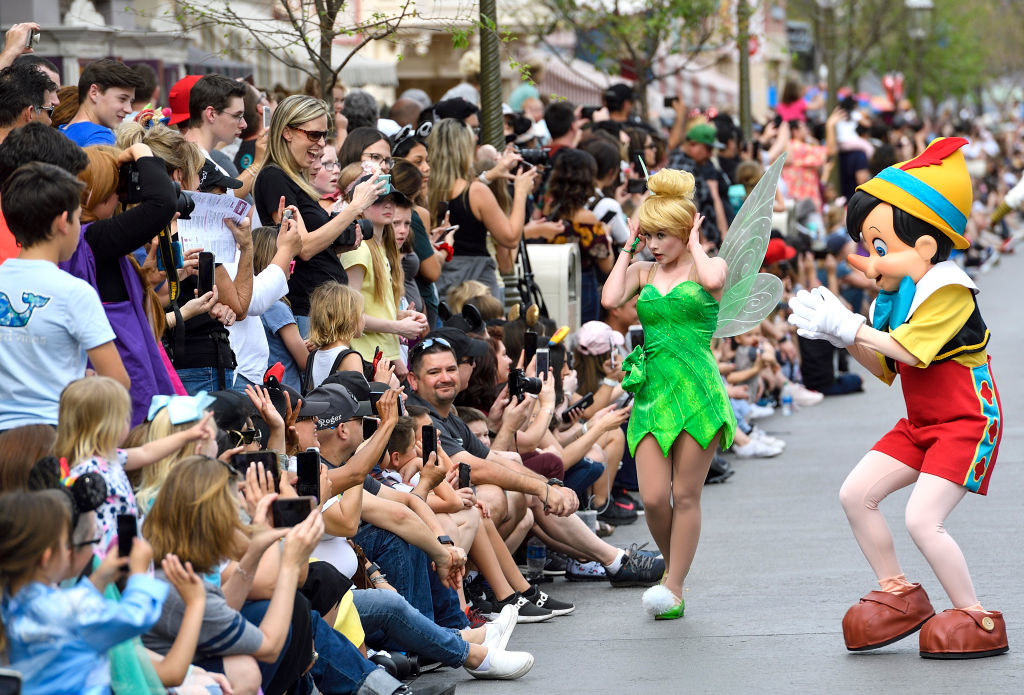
{"points": [[673, 613]]}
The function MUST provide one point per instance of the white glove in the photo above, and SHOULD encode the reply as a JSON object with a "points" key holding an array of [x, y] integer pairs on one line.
{"points": [[821, 315]]}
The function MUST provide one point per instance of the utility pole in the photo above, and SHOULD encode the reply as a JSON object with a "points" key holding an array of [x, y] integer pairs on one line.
{"points": [[743, 22], [491, 126], [828, 8]]}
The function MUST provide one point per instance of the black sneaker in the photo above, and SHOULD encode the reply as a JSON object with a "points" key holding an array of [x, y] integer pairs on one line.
{"points": [[542, 600], [720, 471], [640, 568], [617, 514], [529, 612], [556, 563], [621, 494]]}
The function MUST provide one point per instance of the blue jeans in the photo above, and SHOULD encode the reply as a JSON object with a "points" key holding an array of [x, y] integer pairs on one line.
{"points": [[844, 383], [626, 477], [241, 382], [447, 611], [196, 379], [341, 668], [582, 475], [405, 565], [392, 624], [590, 309], [302, 323]]}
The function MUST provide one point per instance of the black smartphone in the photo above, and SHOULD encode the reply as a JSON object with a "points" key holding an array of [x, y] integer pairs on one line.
{"points": [[428, 436], [626, 403], [587, 112], [542, 363], [669, 101], [464, 471], [127, 529], [206, 271], [529, 346], [374, 399], [369, 427], [241, 463], [10, 682], [635, 336], [636, 186], [581, 405], [291, 511], [307, 463]]}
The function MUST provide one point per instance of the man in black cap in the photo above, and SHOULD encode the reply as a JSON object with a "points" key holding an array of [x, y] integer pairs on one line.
{"points": [[619, 99], [467, 350], [459, 109]]}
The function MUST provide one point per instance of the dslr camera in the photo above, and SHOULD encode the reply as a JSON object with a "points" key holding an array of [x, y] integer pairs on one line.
{"points": [[519, 384], [129, 191], [347, 238], [538, 157]]}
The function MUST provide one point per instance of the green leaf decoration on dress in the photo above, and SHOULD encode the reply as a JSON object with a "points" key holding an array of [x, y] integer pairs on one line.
{"points": [[749, 296]]}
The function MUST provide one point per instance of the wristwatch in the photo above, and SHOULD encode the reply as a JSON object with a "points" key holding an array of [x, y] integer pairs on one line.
{"points": [[445, 540], [371, 568], [556, 482]]}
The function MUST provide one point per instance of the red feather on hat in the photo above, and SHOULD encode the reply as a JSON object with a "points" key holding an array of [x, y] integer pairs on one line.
{"points": [[935, 153]]}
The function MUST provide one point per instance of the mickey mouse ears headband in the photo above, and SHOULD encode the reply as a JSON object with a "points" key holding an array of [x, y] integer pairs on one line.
{"points": [[87, 491], [407, 133]]}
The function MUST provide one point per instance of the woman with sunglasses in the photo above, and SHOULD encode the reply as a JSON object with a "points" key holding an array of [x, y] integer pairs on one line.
{"points": [[298, 135]]}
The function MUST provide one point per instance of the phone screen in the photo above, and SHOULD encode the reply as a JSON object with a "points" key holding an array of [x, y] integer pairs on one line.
{"points": [[429, 442], [464, 472], [369, 427], [266, 117], [241, 463], [542, 363], [636, 336], [291, 511], [308, 466], [127, 529], [529, 346], [206, 272]]}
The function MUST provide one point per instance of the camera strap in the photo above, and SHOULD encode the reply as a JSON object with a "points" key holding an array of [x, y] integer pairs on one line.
{"points": [[173, 289]]}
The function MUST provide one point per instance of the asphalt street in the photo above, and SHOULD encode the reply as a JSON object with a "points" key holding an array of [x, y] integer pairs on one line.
{"points": [[778, 566]]}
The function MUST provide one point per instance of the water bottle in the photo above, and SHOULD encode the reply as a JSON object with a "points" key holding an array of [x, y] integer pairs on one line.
{"points": [[536, 557], [787, 400]]}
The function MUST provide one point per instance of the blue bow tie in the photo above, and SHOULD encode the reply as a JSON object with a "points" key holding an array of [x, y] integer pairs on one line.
{"points": [[181, 409], [891, 308]]}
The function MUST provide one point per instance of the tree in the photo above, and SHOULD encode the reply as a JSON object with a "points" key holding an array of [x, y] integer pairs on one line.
{"points": [[300, 34], [627, 37]]}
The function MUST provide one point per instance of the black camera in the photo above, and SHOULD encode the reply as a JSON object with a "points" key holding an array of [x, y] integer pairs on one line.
{"points": [[519, 384], [129, 191], [184, 205], [537, 157], [347, 238]]}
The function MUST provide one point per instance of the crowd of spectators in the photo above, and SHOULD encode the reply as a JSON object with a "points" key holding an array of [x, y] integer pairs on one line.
{"points": [[422, 424]]}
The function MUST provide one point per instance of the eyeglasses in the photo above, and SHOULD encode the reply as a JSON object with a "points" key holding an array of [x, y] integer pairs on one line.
{"points": [[84, 544], [468, 360], [47, 109], [331, 165], [378, 159], [246, 437], [238, 117], [427, 344], [312, 135]]}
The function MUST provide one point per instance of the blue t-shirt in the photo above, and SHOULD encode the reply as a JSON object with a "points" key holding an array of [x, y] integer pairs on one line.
{"points": [[274, 319], [87, 133], [48, 320]]}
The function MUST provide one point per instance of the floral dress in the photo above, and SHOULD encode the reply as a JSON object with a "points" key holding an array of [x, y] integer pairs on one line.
{"points": [[120, 498]]}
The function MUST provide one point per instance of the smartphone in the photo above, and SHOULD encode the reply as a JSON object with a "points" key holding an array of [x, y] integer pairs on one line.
{"points": [[206, 271], [669, 101], [10, 682], [32, 39], [176, 255], [374, 399], [464, 471], [386, 180], [626, 403], [636, 186], [612, 355], [581, 405], [635, 336], [291, 511], [529, 346], [241, 463], [428, 437], [287, 215], [369, 427], [266, 118], [587, 112], [127, 529], [377, 356], [453, 228], [542, 362], [307, 464]]}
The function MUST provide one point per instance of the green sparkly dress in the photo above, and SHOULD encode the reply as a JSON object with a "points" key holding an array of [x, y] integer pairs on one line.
{"points": [[674, 375]]}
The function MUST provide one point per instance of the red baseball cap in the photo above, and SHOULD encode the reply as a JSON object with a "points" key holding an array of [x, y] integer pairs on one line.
{"points": [[778, 250], [177, 98]]}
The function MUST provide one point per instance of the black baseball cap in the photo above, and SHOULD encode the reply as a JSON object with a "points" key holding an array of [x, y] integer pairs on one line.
{"points": [[341, 405], [210, 177], [230, 409], [620, 92], [463, 345], [357, 385], [457, 108]]}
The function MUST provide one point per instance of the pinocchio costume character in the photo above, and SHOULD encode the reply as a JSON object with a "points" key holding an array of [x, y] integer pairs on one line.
{"points": [[925, 328]]}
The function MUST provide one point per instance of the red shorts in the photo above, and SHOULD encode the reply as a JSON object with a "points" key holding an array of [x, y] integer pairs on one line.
{"points": [[953, 424]]}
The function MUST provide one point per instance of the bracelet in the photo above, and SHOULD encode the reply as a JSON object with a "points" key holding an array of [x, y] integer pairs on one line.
{"points": [[381, 578], [632, 249], [448, 250], [583, 426], [611, 383]]}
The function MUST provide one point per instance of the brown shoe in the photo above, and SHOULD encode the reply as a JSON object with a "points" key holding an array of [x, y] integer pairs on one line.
{"points": [[960, 634], [881, 618]]}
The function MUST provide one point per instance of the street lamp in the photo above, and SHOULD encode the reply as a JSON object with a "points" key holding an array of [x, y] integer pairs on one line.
{"points": [[919, 16]]}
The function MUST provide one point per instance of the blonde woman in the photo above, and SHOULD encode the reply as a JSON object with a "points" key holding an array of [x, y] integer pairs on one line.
{"points": [[471, 205], [681, 412], [298, 132]]}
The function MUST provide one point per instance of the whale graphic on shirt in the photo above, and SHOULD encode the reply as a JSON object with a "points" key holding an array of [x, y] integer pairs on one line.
{"points": [[9, 318]]}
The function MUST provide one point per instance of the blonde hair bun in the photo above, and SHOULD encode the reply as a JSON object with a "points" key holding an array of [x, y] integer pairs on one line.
{"points": [[672, 183]]}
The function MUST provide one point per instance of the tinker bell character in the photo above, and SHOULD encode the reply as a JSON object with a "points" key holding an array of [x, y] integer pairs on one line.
{"points": [[925, 327], [681, 413]]}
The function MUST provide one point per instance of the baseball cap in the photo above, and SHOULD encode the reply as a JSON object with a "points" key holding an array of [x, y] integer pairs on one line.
{"points": [[705, 134], [230, 409], [210, 177], [341, 405], [177, 98], [457, 108], [778, 250], [462, 344], [620, 92], [357, 385], [597, 338]]}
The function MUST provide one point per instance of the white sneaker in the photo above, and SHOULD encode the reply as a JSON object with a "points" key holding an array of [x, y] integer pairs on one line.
{"points": [[804, 396], [500, 630], [761, 435], [756, 449], [760, 411], [504, 665]]}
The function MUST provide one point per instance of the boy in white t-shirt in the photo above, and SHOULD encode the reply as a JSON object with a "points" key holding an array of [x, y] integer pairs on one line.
{"points": [[50, 321]]}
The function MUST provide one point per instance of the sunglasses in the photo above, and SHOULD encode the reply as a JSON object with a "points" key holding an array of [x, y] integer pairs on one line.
{"points": [[246, 437], [312, 135], [47, 109], [429, 343]]}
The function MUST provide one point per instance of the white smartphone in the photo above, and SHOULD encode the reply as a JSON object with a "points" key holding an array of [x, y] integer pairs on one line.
{"points": [[266, 117]]}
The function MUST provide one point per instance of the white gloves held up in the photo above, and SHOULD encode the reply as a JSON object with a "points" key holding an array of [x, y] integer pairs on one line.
{"points": [[820, 315]]}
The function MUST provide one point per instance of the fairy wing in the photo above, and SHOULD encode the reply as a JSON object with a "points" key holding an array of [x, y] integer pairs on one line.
{"points": [[749, 296]]}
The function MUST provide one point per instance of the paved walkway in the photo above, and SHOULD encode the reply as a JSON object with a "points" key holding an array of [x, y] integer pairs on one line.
{"points": [[777, 567]]}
